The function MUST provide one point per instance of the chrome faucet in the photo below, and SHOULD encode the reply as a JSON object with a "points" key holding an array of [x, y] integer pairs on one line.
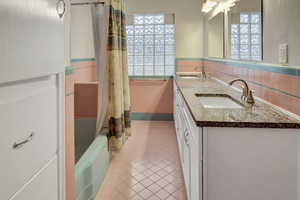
{"points": [[247, 95]]}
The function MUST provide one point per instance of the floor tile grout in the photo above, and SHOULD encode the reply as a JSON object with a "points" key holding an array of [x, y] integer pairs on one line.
{"points": [[147, 168]]}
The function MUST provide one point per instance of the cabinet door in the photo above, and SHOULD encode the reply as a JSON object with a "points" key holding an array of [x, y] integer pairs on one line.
{"points": [[186, 167], [261, 164], [181, 142], [43, 187], [28, 121], [195, 169], [32, 39]]}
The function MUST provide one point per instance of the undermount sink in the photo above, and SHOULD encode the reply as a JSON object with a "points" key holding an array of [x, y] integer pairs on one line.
{"points": [[219, 101]]}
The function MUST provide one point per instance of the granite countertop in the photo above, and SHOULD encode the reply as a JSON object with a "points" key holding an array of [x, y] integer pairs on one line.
{"points": [[261, 115]]}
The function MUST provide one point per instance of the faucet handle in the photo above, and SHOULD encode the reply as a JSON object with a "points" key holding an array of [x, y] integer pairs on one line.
{"points": [[250, 99]]}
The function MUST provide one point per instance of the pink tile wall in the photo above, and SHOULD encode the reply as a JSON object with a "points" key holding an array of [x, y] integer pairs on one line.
{"points": [[147, 95], [85, 71], [267, 84], [151, 95], [189, 65]]}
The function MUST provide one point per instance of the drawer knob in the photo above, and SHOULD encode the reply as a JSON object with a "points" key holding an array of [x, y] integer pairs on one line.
{"points": [[186, 137], [21, 144]]}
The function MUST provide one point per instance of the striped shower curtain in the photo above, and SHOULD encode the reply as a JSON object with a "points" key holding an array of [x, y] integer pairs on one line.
{"points": [[119, 121]]}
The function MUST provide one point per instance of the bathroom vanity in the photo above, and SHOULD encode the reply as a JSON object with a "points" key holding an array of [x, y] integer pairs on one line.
{"points": [[230, 150]]}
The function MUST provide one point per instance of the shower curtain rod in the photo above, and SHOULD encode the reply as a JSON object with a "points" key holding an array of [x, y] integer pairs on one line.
{"points": [[87, 3]]}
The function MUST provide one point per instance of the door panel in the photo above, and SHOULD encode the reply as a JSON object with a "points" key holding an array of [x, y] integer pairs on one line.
{"points": [[32, 39], [28, 121], [43, 187]]}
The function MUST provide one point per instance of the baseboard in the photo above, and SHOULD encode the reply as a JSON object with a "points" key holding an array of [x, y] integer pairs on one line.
{"points": [[152, 116]]}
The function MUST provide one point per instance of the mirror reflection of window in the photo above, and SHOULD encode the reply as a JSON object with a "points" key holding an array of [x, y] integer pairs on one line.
{"points": [[246, 37]]}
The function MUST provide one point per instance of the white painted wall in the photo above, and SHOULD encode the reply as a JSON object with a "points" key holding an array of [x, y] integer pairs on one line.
{"points": [[282, 25], [67, 23], [82, 41], [188, 17]]}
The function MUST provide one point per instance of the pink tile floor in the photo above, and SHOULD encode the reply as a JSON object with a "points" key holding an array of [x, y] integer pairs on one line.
{"points": [[147, 168]]}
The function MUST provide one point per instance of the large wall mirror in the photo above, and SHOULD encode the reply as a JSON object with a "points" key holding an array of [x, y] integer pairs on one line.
{"points": [[216, 36], [244, 31]]}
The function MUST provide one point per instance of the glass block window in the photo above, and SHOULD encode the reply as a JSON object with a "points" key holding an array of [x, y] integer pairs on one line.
{"points": [[246, 37], [151, 46]]}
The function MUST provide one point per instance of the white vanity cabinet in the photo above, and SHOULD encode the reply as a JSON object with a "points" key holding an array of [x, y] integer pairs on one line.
{"points": [[189, 143], [222, 163]]}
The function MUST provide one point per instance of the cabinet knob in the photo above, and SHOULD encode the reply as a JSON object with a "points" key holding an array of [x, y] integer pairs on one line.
{"points": [[186, 137]]}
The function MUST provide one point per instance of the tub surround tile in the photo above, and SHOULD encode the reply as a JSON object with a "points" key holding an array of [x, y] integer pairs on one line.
{"points": [[86, 99], [260, 115]]}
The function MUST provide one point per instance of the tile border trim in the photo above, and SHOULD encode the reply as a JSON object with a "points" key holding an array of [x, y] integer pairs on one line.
{"points": [[69, 70], [281, 69], [276, 68], [152, 116], [82, 59], [69, 94], [151, 77]]}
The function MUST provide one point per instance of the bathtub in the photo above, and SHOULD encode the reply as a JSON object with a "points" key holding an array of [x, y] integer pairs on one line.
{"points": [[92, 159]]}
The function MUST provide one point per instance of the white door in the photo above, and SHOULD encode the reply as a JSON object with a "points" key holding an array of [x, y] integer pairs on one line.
{"points": [[32, 39]]}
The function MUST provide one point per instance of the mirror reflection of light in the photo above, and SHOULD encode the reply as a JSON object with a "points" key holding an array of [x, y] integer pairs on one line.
{"points": [[208, 6], [222, 6], [227, 5], [31, 8]]}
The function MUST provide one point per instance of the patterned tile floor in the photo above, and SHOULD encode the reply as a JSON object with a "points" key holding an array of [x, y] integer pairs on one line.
{"points": [[147, 168]]}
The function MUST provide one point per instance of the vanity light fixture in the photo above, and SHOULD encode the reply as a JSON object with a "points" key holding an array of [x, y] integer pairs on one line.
{"points": [[208, 6]]}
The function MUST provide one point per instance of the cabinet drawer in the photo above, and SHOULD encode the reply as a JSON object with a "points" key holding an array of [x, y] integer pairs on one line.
{"points": [[43, 187], [29, 108]]}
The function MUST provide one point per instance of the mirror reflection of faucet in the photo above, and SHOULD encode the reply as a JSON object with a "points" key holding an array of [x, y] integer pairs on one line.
{"points": [[202, 74]]}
